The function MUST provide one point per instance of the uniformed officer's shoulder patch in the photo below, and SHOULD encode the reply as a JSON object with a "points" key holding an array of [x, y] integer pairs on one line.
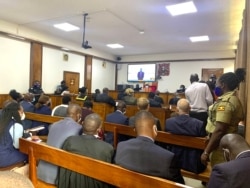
{"points": [[221, 108]]}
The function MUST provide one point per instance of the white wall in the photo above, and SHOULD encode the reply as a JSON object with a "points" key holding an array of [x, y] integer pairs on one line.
{"points": [[14, 65], [103, 75], [179, 73], [54, 65]]}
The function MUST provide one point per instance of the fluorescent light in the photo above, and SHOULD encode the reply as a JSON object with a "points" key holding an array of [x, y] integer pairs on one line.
{"points": [[181, 8], [17, 37], [66, 27], [115, 46], [199, 38]]}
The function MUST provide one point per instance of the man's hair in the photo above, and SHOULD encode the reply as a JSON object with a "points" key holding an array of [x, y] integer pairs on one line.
{"points": [[194, 78], [105, 90], [151, 95], [143, 120], [91, 123], [142, 103], [66, 99], [121, 105], [73, 109], [88, 104]]}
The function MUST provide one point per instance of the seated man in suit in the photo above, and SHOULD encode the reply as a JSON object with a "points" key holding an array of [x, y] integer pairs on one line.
{"points": [[143, 104], [87, 145], [61, 110], [152, 101], [142, 155], [104, 97], [183, 124], [119, 118], [59, 131], [234, 173]]}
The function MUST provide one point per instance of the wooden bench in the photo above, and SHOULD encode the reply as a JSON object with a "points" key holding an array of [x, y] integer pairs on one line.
{"points": [[187, 141], [168, 138], [42, 118], [106, 172]]}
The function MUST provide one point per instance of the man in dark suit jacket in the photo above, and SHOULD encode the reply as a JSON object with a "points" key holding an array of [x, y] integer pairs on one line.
{"points": [[119, 118], [143, 104], [234, 173], [88, 145], [105, 98], [183, 124], [142, 155]]}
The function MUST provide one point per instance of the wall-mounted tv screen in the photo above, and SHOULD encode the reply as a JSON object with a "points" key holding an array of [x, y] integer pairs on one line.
{"points": [[141, 72]]}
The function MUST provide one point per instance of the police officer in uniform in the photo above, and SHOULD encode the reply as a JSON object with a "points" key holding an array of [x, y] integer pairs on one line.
{"points": [[224, 115]]}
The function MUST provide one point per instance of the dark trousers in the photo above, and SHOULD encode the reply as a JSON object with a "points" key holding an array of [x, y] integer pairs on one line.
{"points": [[200, 115]]}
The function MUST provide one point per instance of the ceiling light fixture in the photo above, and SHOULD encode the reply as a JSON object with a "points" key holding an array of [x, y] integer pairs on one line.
{"points": [[66, 27], [17, 37], [115, 46], [199, 38], [181, 8]]}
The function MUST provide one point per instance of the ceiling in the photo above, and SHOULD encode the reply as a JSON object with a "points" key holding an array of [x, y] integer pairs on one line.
{"points": [[119, 21]]}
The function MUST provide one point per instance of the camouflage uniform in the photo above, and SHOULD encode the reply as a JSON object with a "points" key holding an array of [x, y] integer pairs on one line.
{"points": [[227, 109]]}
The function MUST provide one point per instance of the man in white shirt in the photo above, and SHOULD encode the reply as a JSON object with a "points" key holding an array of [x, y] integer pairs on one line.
{"points": [[199, 97]]}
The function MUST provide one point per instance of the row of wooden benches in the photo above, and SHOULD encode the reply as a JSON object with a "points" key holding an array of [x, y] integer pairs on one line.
{"points": [[164, 137]]}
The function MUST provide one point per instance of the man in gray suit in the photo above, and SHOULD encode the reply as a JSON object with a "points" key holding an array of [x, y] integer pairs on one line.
{"points": [[234, 173], [142, 155], [58, 132]]}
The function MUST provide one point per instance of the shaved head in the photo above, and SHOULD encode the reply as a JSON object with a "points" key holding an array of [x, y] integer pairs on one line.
{"points": [[183, 106], [144, 124], [91, 124]]}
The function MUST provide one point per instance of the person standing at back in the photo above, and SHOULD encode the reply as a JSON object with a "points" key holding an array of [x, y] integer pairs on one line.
{"points": [[59, 131], [200, 98], [235, 172], [142, 155], [224, 115]]}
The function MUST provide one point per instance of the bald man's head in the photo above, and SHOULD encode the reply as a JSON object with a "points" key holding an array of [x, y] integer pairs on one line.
{"points": [[74, 111], [183, 106], [91, 124], [233, 144]]}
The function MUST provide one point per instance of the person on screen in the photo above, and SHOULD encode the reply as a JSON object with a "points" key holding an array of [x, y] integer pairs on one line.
{"points": [[140, 74]]}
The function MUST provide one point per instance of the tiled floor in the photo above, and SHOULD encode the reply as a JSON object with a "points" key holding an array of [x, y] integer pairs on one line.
{"points": [[193, 183]]}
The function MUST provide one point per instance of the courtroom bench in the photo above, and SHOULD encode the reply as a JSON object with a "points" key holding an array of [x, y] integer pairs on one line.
{"points": [[103, 171], [166, 138]]}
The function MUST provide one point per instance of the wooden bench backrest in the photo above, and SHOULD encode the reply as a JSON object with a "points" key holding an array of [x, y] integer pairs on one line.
{"points": [[42, 117], [102, 171], [102, 109], [165, 137]]}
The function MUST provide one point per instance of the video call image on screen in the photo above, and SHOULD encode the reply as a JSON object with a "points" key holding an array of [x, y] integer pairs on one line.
{"points": [[141, 72]]}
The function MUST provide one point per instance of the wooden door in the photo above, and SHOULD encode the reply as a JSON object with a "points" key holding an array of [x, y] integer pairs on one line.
{"points": [[72, 81], [207, 72]]}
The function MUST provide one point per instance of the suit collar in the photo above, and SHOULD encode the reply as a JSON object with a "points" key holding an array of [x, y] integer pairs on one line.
{"points": [[243, 154], [145, 138]]}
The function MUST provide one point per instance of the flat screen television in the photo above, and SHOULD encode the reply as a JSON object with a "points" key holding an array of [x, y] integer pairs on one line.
{"points": [[141, 72]]}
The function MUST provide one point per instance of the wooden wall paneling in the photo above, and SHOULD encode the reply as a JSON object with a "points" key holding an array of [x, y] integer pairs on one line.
{"points": [[3, 98], [88, 73], [36, 62]]}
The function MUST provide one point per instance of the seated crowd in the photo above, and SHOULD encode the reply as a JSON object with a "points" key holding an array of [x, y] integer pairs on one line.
{"points": [[80, 132]]}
